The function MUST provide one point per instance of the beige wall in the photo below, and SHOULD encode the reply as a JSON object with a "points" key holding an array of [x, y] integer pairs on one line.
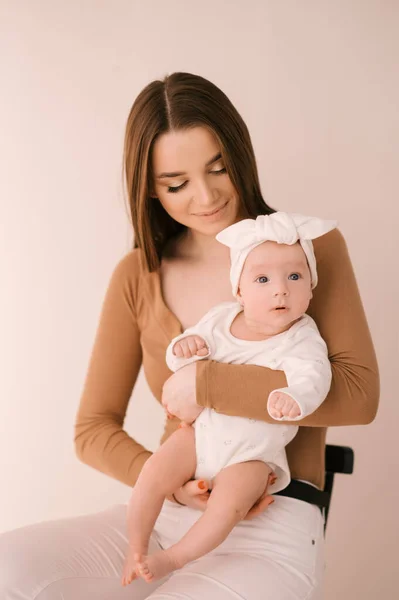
{"points": [[317, 85]]}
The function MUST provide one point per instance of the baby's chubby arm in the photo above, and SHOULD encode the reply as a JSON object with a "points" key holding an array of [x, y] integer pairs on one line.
{"points": [[308, 372], [196, 343], [182, 351], [186, 349]]}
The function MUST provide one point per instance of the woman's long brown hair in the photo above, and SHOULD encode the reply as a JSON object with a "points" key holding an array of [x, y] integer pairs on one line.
{"points": [[182, 101]]}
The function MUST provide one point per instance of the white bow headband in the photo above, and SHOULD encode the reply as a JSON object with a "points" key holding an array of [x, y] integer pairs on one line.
{"points": [[280, 227]]}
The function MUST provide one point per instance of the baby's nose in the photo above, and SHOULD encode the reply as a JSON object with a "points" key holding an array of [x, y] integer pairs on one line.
{"points": [[281, 291]]}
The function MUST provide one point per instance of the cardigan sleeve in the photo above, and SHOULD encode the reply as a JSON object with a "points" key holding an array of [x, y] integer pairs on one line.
{"points": [[336, 307], [100, 440]]}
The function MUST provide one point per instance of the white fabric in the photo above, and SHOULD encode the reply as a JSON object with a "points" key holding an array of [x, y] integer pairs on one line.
{"points": [[279, 555], [280, 227], [223, 440]]}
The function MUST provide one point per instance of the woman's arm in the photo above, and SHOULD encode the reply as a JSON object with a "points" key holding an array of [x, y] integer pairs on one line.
{"points": [[336, 307], [100, 440]]}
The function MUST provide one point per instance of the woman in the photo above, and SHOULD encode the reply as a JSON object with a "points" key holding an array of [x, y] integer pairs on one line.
{"points": [[190, 172]]}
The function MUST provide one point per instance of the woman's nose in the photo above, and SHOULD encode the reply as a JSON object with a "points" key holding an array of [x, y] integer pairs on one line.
{"points": [[204, 195]]}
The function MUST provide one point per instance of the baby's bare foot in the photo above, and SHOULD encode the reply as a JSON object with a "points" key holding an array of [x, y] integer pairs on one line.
{"points": [[156, 566], [130, 567]]}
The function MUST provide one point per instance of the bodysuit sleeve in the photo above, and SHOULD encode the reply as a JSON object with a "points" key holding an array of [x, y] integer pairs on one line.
{"points": [[204, 329], [308, 371], [336, 307], [115, 361], [174, 362]]}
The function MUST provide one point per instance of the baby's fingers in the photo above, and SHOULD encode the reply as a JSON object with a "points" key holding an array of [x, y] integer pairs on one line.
{"points": [[202, 352], [192, 344], [186, 348], [178, 350], [295, 411], [279, 402]]}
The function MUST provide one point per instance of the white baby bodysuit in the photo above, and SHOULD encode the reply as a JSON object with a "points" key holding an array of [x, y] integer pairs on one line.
{"points": [[223, 440]]}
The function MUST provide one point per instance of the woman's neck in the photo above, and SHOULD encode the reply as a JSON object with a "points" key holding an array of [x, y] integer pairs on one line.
{"points": [[199, 247]]}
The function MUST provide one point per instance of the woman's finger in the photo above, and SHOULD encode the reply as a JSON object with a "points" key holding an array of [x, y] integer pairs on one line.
{"points": [[196, 487], [259, 507]]}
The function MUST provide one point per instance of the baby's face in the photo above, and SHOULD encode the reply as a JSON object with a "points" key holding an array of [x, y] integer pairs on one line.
{"points": [[275, 286]]}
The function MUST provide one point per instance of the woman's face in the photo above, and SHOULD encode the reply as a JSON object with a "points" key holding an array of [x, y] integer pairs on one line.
{"points": [[191, 182]]}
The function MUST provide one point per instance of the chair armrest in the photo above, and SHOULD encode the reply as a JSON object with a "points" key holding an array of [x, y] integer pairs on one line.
{"points": [[339, 459]]}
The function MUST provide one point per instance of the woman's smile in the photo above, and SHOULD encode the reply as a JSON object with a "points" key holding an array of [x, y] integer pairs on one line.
{"points": [[214, 214]]}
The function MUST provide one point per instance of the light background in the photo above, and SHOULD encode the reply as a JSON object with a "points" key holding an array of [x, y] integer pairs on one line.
{"points": [[317, 84]]}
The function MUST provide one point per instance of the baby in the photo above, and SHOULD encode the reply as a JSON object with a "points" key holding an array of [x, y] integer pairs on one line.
{"points": [[273, 271]]}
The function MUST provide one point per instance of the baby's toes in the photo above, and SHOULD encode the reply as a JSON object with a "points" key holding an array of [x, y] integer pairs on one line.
{"points": [[144, 571], [128, 578]]}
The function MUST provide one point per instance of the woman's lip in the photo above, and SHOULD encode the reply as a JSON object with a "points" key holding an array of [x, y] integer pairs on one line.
{"points": [[211, 213]]}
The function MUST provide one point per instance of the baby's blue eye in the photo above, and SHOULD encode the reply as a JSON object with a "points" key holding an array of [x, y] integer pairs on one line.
{"points": [[294, 276], [262, 279]]}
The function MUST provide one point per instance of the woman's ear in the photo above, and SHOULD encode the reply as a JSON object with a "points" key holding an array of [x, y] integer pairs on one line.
{"points": [[151, 191]]}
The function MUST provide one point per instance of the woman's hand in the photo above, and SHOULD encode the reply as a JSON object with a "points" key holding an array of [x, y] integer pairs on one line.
{"points": [[263, 502], [179, 394], [194, 494]]}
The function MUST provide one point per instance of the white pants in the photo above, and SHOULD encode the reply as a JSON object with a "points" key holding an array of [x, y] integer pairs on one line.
{"points": [[277, 556]]}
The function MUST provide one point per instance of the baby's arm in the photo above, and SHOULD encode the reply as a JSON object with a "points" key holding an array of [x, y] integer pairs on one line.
{"points": [[308, 372], [196, 343]]}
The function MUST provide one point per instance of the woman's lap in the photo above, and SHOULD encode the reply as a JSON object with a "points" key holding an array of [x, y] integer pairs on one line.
{"points": [[279, 555], [69, 559]]}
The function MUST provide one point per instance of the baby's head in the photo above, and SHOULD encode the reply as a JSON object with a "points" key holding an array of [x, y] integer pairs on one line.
{"points": [[273, 266], [275, 286]]}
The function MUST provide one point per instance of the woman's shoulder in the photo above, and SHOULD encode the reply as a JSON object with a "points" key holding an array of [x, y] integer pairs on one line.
{"points": [[130, 274], [329, 245], [131, 266], [130, 279]]}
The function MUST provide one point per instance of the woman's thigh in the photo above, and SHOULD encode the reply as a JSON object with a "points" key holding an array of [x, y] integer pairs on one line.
{"points": [[277, 556], [70, 559]]}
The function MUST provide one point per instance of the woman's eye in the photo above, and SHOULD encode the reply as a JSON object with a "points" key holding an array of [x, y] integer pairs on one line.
{"points": [[173, 190], [294, 276], [262, 279]]}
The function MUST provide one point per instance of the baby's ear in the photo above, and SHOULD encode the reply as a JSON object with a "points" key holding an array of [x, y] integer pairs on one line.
{"points": [[239, 297]]}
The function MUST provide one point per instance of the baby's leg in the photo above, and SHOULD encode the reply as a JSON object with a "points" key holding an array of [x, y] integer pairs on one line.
{"points": [[164, 472], [235, 490]]}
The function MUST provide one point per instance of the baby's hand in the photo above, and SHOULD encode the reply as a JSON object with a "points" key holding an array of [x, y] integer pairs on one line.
{"points": [[192, 345], [282, 405]]}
